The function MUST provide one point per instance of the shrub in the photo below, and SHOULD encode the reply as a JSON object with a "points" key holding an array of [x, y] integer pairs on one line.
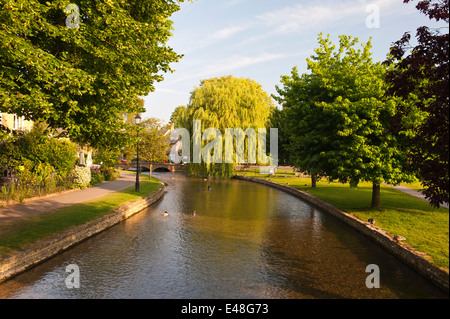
{"points": [[40, 164], [96, 176], [39, 149], [10, 154], [59, 153], [82, 175], [110, 174], [107, 158]]}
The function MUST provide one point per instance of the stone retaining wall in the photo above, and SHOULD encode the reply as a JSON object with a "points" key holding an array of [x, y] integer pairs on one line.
{"points": [[417, 260], [45, 249]]}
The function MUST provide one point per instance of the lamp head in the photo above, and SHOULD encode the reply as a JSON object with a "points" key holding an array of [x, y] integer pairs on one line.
{"points": [[137, 119]]}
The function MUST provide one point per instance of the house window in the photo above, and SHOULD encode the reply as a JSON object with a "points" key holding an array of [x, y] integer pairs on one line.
{"points": [[18, 122]]}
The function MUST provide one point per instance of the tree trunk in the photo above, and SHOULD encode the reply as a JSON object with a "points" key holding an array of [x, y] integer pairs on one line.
{"points": [[313, 180], [375, 195], [150, 173]]}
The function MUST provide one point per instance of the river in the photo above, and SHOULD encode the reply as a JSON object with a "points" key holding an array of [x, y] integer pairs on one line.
{"points": [[246, 241]]}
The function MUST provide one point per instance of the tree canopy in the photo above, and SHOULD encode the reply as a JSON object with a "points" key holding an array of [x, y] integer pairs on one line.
{"points": [[178, 117], [225, 103], [338, 120], [229, 102], [422, 72], [82, 79], [154, 144]]}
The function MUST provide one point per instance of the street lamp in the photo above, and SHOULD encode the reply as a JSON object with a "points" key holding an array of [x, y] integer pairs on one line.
{"points": [[137, 120]]}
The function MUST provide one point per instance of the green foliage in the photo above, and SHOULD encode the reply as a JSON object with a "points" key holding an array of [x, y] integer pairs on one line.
{"points": [[110, 174], [229, 102], [226, 102], [153, 144], [59, 153], [278, 119], [41, 164], [34, 180], [37, 148], [96, 176], [338, 118], [107, 157], [179, 116], [83, 79], [10, 154], [339, 121]]}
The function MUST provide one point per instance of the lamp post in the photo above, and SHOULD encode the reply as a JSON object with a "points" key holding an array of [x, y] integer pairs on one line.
{"points": [[137, 120]]}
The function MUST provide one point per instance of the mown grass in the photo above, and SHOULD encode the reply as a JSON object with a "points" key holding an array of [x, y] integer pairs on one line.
{"points": [[424, 227], [19, 234]]}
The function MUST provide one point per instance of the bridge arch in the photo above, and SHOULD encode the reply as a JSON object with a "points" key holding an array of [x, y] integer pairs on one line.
{"points": [[161, 169], [155, 167]]}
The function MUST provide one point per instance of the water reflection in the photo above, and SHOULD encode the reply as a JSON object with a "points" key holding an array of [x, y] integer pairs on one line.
{"points": [[246, 241]]}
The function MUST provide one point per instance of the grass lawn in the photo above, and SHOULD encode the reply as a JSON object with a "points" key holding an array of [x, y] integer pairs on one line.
{"points": [[16, 235], [415, 185], [424, 227]]}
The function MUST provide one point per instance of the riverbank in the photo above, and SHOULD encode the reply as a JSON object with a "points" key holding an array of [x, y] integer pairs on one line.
{"points": [[32, 239], [401, 215], [40, 204]]}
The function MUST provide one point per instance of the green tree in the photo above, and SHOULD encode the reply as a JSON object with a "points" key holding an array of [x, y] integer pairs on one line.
{"points": [[154, 144], [83, 79], [227, 102], [179, 116], [339, 120], [423, 71]]}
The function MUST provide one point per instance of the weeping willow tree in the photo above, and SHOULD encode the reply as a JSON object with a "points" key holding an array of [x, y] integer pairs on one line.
{"points": [[222, 103]]}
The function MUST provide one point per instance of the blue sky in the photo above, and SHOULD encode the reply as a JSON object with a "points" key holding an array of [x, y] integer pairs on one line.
{"points": [[263, 39]]}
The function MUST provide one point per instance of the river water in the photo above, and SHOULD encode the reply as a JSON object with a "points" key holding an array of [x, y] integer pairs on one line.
{"points": [[246, 241]]}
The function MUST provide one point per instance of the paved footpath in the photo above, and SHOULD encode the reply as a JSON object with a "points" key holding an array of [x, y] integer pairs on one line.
{"points": [[413, 192], [78, 196]]}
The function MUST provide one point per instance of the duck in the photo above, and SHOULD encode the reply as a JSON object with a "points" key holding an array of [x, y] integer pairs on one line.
{"points": [[399, 238], [209, 188], [371, 220], [165, 214]]}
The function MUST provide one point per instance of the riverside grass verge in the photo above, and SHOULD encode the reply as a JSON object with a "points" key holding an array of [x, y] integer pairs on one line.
{"points": [[17, 235], [424, 227]]}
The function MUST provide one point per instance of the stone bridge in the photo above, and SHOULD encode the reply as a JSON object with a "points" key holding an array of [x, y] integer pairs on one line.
{"points": [[154, 167]]}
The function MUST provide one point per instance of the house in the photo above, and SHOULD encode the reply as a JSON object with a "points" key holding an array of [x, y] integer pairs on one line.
{"points": [[14, 122]]}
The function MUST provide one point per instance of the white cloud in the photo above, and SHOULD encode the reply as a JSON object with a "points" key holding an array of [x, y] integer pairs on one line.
{"points": [[238, 62], [204, 38], [323, 14], [226, 32], [300, 17], [230, 64]]}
